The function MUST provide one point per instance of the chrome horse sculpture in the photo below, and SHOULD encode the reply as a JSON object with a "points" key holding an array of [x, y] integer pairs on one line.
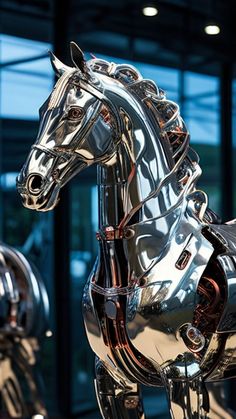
{"points": [[159, 305], [23, 322]]}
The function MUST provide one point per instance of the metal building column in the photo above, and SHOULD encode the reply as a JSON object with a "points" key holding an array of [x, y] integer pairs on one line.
{"points": [[226, 121], [62, 245], [226, 140], [1, 154]]}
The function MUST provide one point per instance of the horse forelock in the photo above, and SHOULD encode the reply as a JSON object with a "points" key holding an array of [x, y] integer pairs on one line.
{"points": [[59, 88]]}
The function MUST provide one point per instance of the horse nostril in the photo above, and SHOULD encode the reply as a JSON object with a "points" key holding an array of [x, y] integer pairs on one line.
{"points": [[35, 183]]}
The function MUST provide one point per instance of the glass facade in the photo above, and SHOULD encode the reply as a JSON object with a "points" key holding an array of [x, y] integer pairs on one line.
{"points": [[26, 77], [82, 256], [201, 111], [25, 80]]}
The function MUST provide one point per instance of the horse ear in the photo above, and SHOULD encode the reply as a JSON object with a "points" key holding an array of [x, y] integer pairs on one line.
{"points": [[57, 65], [77, 56]]}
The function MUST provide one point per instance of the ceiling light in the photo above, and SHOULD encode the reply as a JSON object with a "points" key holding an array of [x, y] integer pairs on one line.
{"points": [[212, 29], [150, 11]]}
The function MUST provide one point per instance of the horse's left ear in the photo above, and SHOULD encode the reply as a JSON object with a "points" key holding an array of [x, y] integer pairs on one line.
{"points": [[77, 56], [57, 65]]}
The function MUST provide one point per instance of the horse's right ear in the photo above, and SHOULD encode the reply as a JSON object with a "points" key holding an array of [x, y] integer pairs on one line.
{"points": [[77, 57], [57, 65]]}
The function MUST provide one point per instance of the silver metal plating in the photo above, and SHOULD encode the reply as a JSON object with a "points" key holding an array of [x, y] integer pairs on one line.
{"points": [[24, 313], [159, 304]]}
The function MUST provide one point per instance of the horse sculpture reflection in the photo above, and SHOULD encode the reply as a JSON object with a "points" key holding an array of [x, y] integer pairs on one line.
{"points": [[158, 306]]}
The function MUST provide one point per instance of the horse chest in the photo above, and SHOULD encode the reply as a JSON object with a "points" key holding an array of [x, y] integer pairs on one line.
{"points": [[138, 332], [105, 323], [104, 318]]}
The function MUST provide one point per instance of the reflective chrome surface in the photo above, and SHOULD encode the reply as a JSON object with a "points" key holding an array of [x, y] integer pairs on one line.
{"points": [[24, 313], [159, 304]]}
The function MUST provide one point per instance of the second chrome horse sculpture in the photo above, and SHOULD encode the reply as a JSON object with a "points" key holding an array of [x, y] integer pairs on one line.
{"points": [[24, 313], [159, 306]]}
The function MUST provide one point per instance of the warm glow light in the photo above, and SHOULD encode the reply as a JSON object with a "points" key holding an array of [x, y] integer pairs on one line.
{"points": [[212, 29], [150, 11], [48, 333]]}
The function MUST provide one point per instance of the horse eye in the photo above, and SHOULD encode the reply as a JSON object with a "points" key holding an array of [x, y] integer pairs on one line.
{"points": [[76, 114]]}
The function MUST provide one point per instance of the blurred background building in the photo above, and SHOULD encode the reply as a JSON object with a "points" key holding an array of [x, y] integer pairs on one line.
{"points": [[188, 47]]}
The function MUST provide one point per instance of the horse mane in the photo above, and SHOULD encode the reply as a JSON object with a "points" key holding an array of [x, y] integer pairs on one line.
{"points": [[173, 132]]}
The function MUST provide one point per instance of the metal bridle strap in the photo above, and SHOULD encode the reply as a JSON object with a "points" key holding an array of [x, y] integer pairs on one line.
{"points": [[44, 149], [99, 95]]}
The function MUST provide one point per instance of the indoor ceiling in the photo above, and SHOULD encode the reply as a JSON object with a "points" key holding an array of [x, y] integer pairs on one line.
{"points": [[174, 37]]}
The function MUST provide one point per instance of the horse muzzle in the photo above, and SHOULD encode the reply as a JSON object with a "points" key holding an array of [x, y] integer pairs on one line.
{"points": [[37, 193]]}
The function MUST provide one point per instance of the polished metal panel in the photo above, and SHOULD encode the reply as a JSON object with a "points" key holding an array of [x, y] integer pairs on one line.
{"points": [[24, 311], [159, 304]]}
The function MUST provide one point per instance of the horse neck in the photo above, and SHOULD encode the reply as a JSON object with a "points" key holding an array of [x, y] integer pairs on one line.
{"points": [[130, 180], [129, 196]]}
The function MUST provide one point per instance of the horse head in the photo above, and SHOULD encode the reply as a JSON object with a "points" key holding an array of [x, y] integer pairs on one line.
{"points": [[77, 128]]}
